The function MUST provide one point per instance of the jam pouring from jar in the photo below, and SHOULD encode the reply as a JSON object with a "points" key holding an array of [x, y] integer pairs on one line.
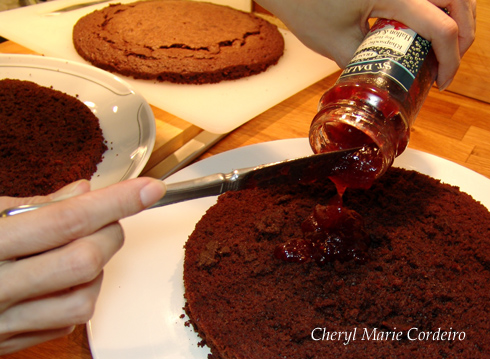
{"points": [[373, 106]]}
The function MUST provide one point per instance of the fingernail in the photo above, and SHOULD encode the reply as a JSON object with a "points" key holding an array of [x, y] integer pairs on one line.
{"points": [[152, 192], [445, 85]]}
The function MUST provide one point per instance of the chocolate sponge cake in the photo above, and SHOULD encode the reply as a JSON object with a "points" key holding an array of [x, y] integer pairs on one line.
{"points": [[47, 139], [178, 41], [422, 292]]}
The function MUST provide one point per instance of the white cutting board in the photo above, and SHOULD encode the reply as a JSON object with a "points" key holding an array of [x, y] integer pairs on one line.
{"points": [[217, 108]]}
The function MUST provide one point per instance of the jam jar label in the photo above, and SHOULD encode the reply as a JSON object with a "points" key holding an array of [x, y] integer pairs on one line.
{"points": [[390, 48]]}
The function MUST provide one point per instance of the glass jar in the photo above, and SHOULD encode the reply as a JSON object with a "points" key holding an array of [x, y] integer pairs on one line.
{"points": [[375, 102]]}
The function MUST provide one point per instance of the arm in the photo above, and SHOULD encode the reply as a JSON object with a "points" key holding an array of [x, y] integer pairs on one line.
{"points": [[335, 28], [54, 257]]}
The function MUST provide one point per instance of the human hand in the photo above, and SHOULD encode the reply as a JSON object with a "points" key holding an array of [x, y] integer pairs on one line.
{"points": [[54, 257], [336, 28]]}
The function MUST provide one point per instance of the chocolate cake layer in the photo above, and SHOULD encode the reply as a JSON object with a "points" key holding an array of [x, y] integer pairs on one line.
{"points": [[47, 139], [423, 292], [178, 41]]}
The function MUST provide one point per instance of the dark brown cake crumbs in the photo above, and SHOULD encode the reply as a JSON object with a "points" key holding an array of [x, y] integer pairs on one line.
{"points": [[47, 139], [428, 272]]}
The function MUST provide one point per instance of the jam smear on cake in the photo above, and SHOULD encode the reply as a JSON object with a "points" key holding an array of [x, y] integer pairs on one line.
{"points": [[332, 232]]}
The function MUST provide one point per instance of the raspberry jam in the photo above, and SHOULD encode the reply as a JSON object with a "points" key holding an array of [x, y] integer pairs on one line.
{"points": [[331, 232], [374, 102], [372, 107]]}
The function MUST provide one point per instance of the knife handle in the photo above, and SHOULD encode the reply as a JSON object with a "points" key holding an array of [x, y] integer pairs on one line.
{"points": [[211, 185], [22, 209]]}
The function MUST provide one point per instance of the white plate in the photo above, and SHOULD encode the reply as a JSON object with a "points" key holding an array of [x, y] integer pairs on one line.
{"points": [[139, 309], [125, 117]]}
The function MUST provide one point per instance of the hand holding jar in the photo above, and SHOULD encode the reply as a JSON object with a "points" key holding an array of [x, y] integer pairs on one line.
{"points": [[336, 28]]}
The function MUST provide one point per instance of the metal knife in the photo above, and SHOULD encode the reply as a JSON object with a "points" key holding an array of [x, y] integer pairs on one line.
{"points": [[304, 169], [75, 7]]}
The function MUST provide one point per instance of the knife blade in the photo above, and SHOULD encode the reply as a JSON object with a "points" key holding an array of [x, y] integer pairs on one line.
{"points": [[304, 169], [75, 7]]}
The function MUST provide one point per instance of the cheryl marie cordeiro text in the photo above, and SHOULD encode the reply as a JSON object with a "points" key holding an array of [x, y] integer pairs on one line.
{"points": [[375, 334]]}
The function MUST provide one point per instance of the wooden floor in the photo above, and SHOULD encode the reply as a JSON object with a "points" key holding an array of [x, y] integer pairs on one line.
{"points": [[456, 128]]}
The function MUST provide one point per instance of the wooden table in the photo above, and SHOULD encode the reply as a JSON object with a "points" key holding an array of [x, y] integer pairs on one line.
{"points": [[454, 125]]}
